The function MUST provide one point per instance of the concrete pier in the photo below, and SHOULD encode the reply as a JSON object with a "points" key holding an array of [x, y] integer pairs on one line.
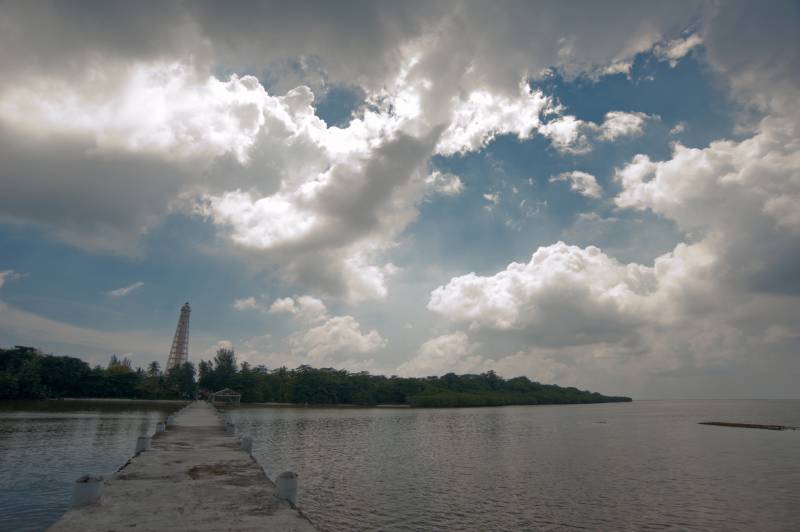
{"points": [[193, 477]]}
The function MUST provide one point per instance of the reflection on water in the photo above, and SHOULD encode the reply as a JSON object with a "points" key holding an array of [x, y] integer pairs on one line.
{"points": [[640, 465], [46, 445]]}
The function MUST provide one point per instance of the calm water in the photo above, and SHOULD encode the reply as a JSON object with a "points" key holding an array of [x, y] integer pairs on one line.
{"points": [[645, 465], [46, 445], [637, 466]]}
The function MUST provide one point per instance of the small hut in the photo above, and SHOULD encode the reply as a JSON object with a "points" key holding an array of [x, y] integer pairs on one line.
{"points": [[226, 396]]}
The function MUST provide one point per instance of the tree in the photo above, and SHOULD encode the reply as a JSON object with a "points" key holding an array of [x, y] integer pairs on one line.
{"points": [[225, 364], [154, 369], [180, 381], [62, 376]]}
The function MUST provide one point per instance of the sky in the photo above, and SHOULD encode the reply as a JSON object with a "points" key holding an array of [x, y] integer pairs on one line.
{"points": [[601, 195]]}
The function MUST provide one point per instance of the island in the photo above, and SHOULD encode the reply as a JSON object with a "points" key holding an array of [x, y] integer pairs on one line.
{"points": [[27, 373]]}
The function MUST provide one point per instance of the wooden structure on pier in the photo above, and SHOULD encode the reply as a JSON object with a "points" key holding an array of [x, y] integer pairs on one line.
{"points": [[226, 396]]}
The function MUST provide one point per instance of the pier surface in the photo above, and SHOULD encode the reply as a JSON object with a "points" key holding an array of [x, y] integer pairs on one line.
{"points": [[193, 477]]}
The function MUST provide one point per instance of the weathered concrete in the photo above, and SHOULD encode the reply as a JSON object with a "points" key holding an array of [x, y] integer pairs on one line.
{"points": [[193, 477]]}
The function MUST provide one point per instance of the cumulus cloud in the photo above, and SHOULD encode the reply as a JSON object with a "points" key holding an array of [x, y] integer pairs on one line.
{"points": [[724, 186], [340, 335], [719, 297], [125, 290], [483, 115], [444, 354], [572, 135], [567, 134], [565, 293], [580, 182], [158, 107], [618, 124], [135, 128], [306, 308]]}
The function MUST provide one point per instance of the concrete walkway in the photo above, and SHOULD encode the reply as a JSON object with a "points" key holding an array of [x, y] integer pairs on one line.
{"points": [[193, 477]]}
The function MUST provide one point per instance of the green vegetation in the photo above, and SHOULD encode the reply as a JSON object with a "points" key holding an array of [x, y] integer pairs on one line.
{"points": [[26, 373]]}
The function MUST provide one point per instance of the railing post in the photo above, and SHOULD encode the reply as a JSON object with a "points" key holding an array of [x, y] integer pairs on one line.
{"points": [[286, 487], [86, 491], [142, 444], [247, 445]]}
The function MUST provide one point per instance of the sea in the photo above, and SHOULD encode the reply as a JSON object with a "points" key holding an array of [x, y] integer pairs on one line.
{"points": [[645, 465]]}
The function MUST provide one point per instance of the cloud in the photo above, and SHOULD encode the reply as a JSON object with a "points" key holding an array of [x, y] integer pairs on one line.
{"points": [[306, 308], [568, 134], [572, 135], [675, 49], [718, 298], [747, 46], [125, 290], [493, 200], [446, 184], [617, 124], [678, 128], [8, 275], [157, 107], [139, 130], [724, 186], [248, 303], [580, 182], [159, 116], [483, 115], [327, 223], [565, 294], [340, 335], [444, 354]]}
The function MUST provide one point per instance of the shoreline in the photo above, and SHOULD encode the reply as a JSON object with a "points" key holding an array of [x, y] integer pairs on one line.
{"points": [[118, 400]]}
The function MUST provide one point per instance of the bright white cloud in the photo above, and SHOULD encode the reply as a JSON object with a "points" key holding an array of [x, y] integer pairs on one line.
{"points": [[306, 308], [160, 107], [572, 135], [727, 185], [617, 124], [484, 115], [261, 223], [567, 134], [580, 182], [561, 290], [340, 335], [125, 290]]}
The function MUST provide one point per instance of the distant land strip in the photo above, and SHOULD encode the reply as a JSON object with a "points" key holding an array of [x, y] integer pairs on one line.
{"points": [[27, 373]]}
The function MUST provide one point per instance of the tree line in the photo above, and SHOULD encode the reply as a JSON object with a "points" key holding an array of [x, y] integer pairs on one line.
{"points": [[27, 373]]}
